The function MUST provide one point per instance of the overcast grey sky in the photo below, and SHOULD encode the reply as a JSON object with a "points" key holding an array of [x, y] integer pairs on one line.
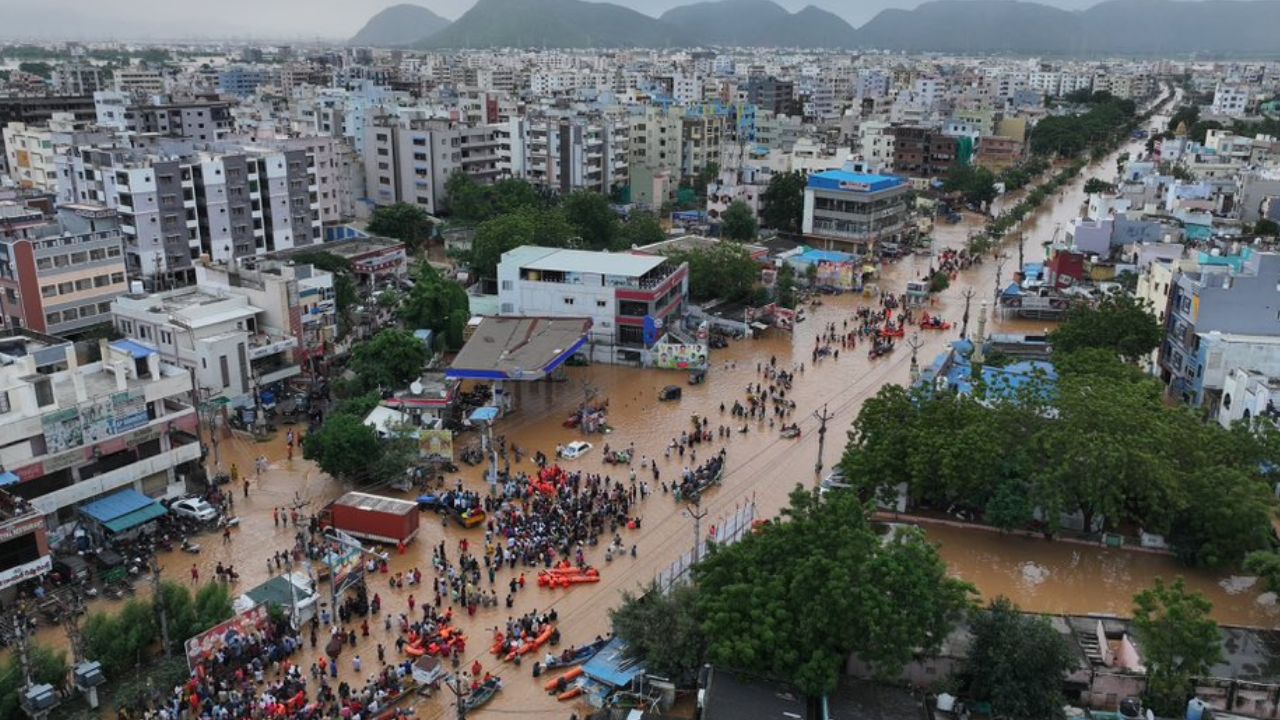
{"points": [[294, 19]]}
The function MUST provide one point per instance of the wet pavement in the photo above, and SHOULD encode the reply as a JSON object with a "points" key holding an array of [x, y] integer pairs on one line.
{"points": [[762, 468]]}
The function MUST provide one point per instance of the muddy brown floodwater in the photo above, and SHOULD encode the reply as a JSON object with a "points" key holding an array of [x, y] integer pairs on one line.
{"points": [[762, 468]]}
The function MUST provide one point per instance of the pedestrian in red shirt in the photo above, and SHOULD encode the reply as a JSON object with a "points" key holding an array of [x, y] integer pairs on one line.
{"points": [[195, 573]]}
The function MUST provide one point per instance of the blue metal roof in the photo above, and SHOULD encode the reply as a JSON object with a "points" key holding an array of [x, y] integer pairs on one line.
{"points": [[611, 665], [115, 505], [853, 182], [484, 414], [831, 256], [137, 350]]}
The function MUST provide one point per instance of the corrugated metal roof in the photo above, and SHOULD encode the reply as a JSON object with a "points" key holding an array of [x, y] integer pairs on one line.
{"points": [[366, 501], [116, 505]]}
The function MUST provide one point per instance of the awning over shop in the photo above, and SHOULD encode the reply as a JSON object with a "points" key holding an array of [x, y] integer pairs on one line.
{"points": [[123, 510], [136, 518], [7, 478]]}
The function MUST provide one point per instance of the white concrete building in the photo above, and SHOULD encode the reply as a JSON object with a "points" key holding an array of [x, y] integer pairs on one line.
{"points": [[220, 337], [31, 151], [1250, 396], [1229, 100], [411, 162], [618, 291], [75, 432], [565, 154]]}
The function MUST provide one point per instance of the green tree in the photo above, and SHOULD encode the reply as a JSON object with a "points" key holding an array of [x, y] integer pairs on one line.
{"points": [[40, 69], [641, 228], [390, 360], [1225, 515], [120, 641], [506, 232], [1266, 228], [47, 666], [939, 281], [592, 219], [181, 613], [976, 184], [438, 304], [723, 270], [405, 222], [1119, 323], [797, 599], [513, 194], [212, 605], [344, 447], [1266, 565], [466, 199], [1016, 662], [738, 222], [782, 204], [1010, 506], [662, 629], [1094, 186], [1179, 641], [785, 290]]}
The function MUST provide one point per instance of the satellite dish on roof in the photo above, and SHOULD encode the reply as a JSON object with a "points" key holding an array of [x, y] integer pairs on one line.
{"points": [[415, 387]]}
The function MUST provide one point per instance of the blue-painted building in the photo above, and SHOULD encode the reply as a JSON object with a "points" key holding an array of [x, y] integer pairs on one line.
{"points": [[1224, 296], [242, 81], [853, 211]]}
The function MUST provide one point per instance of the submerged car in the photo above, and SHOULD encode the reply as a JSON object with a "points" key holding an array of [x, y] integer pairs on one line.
{"points": [[575, 449]]}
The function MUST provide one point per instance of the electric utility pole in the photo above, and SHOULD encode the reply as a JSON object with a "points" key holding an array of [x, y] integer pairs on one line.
{"points": [[822, 417]]}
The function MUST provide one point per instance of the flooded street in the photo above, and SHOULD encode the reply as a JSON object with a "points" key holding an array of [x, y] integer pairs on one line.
{"points": [[762, 469]]}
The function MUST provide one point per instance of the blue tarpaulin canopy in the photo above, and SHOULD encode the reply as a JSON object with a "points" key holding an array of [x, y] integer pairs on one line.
{"points": [[7, 479], [137, 350], [123, 510], [611, 665]]}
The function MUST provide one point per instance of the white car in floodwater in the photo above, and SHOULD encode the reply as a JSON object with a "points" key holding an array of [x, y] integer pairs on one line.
{"points": [[575, 449]]}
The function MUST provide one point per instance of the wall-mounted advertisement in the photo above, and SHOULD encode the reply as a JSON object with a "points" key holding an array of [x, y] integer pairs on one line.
{"points": [[680, 356], [436, 443]]}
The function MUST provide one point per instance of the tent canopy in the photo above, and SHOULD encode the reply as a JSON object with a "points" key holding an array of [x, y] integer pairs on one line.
{"points": [[123, 510]]}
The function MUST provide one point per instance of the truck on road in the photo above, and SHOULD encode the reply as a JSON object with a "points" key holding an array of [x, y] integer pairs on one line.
{"points": [[372, 517]]}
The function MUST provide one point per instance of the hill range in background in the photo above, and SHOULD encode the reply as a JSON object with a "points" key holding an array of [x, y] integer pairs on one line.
{"points": [[399, 25], [1114, 27]]}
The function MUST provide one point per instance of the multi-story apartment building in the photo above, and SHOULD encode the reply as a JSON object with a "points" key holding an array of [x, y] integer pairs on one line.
{"points": [[773, 94], [32, 150], [875, 144], [923, 152], [852, 211], [219, 336], [779, 131], [184, 200], [75, 432], [620, 292], [197, 119], [565, 154], [243, 81], [411, 161], [1212, 309], [141, 81], [76, 78], [37, 110], [59, 276], [335, 167], [295, 298], [1230, 100]]}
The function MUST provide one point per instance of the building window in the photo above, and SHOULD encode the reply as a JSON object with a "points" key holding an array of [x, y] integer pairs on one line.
{"points": [[506, 284], [66, 288], [4, 402], [84, 284], [507, 308], [166, 337], [44, 392], [568, 301], [117, 278], [52, 318], [601, 303], [49, 291]]}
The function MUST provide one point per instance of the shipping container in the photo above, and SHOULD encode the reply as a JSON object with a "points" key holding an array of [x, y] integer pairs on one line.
{"points": [[373, 517]]}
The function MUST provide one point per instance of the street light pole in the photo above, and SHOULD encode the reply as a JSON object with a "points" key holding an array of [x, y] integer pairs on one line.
{"points": [[697, 513], [822, 417], [914, 343]]}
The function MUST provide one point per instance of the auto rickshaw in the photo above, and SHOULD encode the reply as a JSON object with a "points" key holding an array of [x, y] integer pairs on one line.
{"points": [[670, 392]]}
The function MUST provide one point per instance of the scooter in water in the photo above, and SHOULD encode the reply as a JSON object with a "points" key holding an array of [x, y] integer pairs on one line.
{"points": [[190, 547]]}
